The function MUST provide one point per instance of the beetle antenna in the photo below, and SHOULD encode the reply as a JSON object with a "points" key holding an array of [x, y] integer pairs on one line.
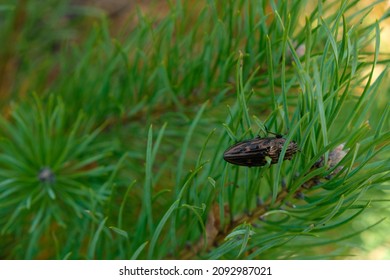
{"points": [[270, 132]]}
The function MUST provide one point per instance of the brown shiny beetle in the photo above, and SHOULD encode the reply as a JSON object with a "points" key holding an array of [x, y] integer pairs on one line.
{"points": [[254, 152]]}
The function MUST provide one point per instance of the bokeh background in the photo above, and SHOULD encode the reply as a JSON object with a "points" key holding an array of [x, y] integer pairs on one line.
{"points": [[33, 60]]}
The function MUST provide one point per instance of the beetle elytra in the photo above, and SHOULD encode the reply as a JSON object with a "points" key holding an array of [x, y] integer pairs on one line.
{"points": [[253, 152]]}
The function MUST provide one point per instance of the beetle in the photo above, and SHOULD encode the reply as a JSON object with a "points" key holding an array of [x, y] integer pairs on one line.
{"points": [[253, 152]]}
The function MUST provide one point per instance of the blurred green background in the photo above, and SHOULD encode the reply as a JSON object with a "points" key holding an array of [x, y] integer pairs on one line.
{"points": [[108, 106]]}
